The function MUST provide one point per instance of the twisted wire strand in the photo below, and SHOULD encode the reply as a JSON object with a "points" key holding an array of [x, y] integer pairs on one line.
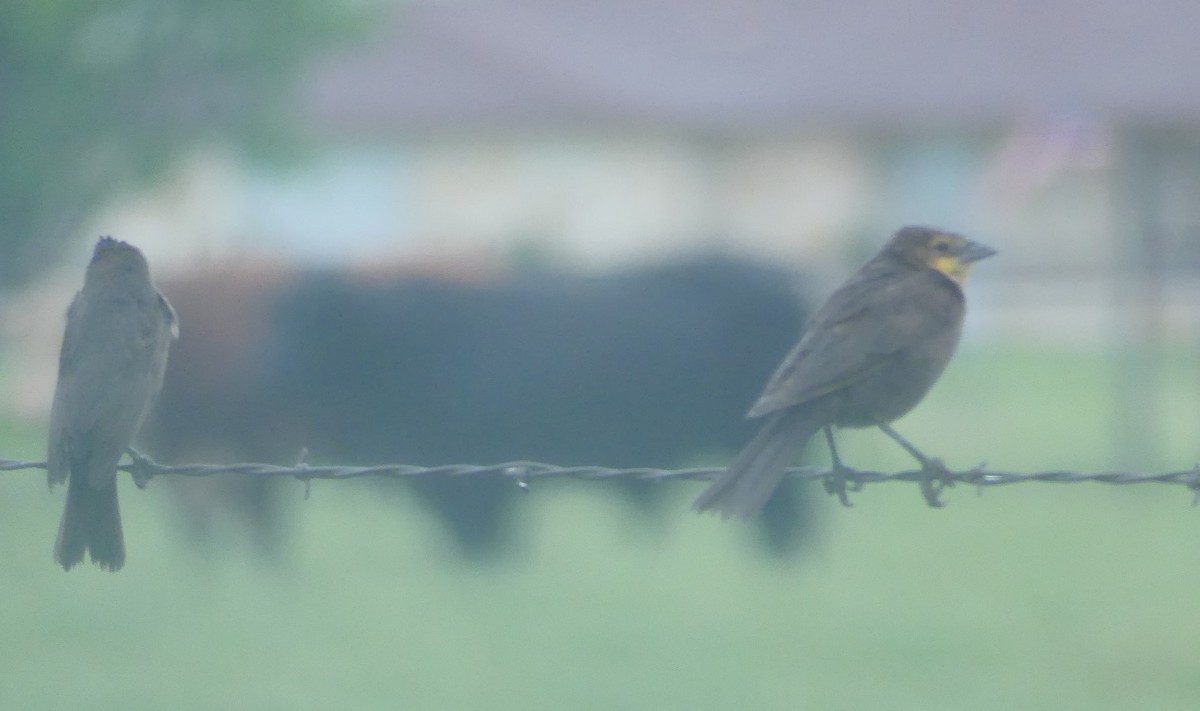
{"points": [[144, 468]]}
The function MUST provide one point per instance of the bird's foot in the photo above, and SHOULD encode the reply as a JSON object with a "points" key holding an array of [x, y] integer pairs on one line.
{"points": [[141, 467], [836, 483], [935, 478]]}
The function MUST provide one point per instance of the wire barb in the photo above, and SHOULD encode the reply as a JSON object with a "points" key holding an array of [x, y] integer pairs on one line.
{"points": [[302, 472], [1193, 483]]}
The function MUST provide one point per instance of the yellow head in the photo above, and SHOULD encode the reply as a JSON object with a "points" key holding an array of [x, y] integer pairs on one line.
{"points": [[945, 252]]}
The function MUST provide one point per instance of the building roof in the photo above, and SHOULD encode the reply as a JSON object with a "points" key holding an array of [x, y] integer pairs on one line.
{"points": [[730, 65]]}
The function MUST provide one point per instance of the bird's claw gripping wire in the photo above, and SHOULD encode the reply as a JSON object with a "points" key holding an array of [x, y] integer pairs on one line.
{"points": [[141, 467], [835, 481], [935, 475], [936, 478]]}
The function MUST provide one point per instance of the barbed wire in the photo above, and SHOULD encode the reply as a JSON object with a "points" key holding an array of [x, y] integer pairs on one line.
{"points": [[932, 481]]}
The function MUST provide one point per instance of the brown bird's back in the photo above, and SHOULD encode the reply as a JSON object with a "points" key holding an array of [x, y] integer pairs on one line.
{"points": [[111, 365]]}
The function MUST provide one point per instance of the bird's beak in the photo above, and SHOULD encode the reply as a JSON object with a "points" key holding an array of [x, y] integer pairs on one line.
{"points": [[976, 251]]}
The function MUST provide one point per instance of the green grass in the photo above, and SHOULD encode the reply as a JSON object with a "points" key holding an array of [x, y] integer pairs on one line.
{"points": [[1035, 596]]}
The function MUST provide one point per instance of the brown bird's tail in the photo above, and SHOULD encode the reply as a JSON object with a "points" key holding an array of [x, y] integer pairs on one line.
{"points": [[750, 479], [91, 521]]}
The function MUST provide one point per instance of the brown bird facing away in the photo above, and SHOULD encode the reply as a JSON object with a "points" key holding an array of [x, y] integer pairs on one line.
{"points": [[867, 357], [114, 352]]}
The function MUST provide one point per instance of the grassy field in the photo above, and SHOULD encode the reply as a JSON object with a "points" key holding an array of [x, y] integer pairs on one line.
{"points": [[1037, 596]]}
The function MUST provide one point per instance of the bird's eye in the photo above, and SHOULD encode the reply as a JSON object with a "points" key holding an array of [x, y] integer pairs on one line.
{"points": [[941, 247]]}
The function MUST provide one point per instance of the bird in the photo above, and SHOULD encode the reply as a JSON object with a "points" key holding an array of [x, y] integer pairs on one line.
{"points": [[867, 356], [114, 352]]}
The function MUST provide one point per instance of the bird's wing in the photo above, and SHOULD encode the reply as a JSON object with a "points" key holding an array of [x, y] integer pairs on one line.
{"points": [[108, 381], [858, 329], [58, 456], [168, 315]]}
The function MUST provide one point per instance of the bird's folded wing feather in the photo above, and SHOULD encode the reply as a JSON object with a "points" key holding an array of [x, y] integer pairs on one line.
{"points": [[856, 331]]}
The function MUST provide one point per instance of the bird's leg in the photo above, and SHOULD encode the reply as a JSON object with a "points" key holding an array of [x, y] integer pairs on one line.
{"points": [[835, 483], [934, 470], [926, 462]]}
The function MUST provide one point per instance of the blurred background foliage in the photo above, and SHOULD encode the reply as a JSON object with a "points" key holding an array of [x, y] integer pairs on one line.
{"points": [[100, 98]]}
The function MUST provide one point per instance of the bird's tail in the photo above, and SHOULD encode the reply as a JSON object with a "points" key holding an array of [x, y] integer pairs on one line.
{"points": [[91, 522], [750, 479]]}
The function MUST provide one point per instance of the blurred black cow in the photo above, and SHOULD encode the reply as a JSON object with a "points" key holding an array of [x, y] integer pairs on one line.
{"points": [[641, 368]]}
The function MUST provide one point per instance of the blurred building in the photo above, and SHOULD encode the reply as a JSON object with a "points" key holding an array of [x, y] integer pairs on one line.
{"points": [[1065, 132]]}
